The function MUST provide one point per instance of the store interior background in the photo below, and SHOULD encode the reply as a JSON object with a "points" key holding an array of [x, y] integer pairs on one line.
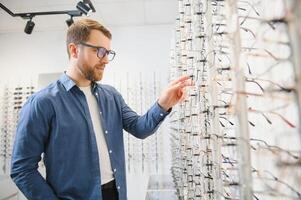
{"points": [[202, 148], [142, 37]]}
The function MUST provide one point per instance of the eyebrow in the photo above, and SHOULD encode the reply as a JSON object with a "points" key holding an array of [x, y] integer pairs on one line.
{"points": [[94, 46]]}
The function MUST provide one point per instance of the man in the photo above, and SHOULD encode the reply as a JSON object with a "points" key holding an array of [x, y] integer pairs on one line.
{"points": [[78, 125]]}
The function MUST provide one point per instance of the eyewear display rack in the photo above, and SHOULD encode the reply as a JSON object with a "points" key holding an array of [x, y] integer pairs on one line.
{"points": [[237, 136]]}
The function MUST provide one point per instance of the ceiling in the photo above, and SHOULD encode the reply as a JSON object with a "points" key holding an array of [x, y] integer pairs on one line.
{"points": [[112, 13]]}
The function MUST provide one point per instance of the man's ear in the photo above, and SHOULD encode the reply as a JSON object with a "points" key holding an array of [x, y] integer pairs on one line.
{"points": [[73, 50]]}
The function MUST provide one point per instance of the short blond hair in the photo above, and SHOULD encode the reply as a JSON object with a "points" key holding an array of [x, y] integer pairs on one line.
{"points": [[80, 31]]}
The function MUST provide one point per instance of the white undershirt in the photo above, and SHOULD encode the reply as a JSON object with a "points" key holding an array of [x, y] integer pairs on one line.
{"points": [[104, 159]]}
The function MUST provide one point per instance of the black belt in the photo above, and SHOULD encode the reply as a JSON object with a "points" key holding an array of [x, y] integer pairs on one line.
{"points": [[109, 185]]}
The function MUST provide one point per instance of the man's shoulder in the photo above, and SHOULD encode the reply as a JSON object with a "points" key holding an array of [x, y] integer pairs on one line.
{"points": [[47, 93]]}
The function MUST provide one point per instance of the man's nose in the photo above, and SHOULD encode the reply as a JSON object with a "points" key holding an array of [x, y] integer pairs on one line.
{"points": [[105, 59]]}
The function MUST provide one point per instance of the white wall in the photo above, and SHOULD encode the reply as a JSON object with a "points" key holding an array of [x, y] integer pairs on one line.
{"points": [[23, 56]]}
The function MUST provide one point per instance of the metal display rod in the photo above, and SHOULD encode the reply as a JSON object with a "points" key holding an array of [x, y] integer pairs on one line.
{"points": [[241, 111], [295, 34]]}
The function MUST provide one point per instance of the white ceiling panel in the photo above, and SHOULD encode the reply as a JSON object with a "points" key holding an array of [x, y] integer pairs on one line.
{"points": [[160, 12], [110, 12], [121, 13]]}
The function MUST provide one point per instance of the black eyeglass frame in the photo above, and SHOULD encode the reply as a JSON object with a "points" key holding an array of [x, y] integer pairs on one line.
{"points": [[107, 52]]}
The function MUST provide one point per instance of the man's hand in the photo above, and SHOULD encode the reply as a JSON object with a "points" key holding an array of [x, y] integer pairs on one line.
{"points": [[174, 93]]}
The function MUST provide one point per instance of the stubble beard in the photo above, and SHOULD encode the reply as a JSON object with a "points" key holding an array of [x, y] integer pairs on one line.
{"points": [[90, 73]]}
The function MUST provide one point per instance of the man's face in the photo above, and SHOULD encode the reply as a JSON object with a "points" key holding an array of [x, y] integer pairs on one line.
{"points": [[91, 66]]}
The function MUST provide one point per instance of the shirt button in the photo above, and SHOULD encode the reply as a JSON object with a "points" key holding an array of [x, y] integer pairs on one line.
{"points": [[106, 132], [100, 113], [110, 151], [114, 170], [96, 94], [161, 114], [118, 187]]}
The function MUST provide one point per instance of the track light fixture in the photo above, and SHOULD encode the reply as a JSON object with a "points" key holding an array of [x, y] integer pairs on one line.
{"points": [[29, 26], [84, 8]]}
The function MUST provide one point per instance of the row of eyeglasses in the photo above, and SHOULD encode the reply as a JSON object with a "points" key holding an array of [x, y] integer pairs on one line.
{"points": [[237, 136], [12, 100]]}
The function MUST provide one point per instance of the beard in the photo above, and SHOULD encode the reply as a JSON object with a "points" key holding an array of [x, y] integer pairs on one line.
{"points": [[94, 73]]}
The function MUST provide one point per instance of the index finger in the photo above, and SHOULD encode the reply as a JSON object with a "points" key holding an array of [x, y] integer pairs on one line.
{"points": [[180, 79]]}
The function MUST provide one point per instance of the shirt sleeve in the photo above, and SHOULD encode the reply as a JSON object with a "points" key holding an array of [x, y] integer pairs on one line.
{"points": [[30, 141], [145, 125]]}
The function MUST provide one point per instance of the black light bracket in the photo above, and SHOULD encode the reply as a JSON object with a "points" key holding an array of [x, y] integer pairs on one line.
{"points": [[30, 15]]}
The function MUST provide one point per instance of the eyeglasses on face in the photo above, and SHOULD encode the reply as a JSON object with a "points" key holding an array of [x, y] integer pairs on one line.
{"points": [[101, 51]]}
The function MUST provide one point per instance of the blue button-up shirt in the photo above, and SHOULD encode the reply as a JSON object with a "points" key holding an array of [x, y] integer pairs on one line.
{"points": [[56, 121]]}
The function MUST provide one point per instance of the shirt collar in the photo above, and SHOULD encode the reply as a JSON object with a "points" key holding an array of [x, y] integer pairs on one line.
{"points": [[68, 83]]}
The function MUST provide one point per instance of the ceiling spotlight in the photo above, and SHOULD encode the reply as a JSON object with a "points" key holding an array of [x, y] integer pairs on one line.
{"points": [[90, 4], [84, 8], [29, 26], [70, 21]]}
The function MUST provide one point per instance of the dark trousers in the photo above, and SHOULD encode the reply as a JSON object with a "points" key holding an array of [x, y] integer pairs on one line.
{"points": [[109, 191]]}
